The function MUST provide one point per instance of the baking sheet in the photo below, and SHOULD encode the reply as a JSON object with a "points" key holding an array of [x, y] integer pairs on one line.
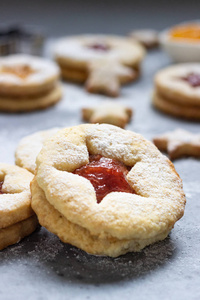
{"points": [[41, 267]]}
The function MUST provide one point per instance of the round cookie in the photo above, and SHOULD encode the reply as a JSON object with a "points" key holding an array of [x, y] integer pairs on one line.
{"points": [[26, 75], [180, 84], [177, 91], [66, 203], [28, 83], [17, 218], [78, 51], [29, 147], [9, 104], [76, 56]]}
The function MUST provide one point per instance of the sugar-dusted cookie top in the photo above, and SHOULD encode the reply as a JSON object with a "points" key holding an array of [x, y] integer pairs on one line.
{"points": [[180, 83], [157, 202], [108, 112], [179, 143], [15, 197], [29, 147], [79, 50]]}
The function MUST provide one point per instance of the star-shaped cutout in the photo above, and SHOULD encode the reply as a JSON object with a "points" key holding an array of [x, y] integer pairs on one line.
{"points": [[106, 77], [179, 143], [108, 112]]}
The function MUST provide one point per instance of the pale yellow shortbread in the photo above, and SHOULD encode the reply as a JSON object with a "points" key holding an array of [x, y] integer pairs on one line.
{"points": [[17, 219], [16, 232], [27, 75], [29, 147], [66, 204], [11, 104], [170, 84], [15, 202], [76, 51], [190, 112]]}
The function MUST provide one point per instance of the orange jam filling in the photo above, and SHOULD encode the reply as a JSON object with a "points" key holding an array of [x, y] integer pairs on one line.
{"points": [[22, 71], [99, 46], [193, 79], [106, 175], [1, 183], [190, 32]]}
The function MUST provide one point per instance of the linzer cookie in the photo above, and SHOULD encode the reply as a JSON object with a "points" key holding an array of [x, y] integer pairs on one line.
{"points": [[76, 56], [105, 190], [29, 147], [28, 83], [17, 218], [177, 91], [108, 112]]}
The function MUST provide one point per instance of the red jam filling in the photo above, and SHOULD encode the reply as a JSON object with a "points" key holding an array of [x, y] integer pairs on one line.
{"points": [[106, 175], [99, 47], [193, 79], [1, 184]]}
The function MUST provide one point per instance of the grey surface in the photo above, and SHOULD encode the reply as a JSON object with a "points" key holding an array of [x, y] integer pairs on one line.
{"points": [[62, 17], [41, 267]]}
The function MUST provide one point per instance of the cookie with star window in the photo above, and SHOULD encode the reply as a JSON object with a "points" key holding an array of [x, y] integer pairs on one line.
{"points": [[105, 190]]}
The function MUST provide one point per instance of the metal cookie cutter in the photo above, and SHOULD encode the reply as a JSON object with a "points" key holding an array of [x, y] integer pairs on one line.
{"points": [[21, 39]]}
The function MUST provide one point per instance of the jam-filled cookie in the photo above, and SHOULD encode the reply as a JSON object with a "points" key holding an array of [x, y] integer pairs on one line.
{"points": [[28, 83], [177, 91], [17, 218], [106, 190], [29, 147], [76, 56]]}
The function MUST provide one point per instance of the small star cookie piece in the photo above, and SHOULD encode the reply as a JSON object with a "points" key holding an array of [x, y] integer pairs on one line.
{"points": [[147, 37], [106, 77], [179, 143], [108, 112]]}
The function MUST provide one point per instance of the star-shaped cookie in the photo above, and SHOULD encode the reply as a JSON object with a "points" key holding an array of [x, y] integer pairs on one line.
{"points": [[179, 143], [108, 112], [106, 77]]}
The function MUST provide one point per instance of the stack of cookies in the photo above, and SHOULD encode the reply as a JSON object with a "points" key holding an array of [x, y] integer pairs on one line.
{"points": [[177, 91], [17, 218], [28, 83], [104, 62], [105, 190]]}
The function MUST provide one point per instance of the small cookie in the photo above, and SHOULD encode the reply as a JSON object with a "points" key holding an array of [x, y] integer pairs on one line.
{"points": [[108, 112], [177, 90], [28, 83], [29, 147], [105, 190], [147, 37], [15, 204], [79, 56], [106, 77], [179, 143]]}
